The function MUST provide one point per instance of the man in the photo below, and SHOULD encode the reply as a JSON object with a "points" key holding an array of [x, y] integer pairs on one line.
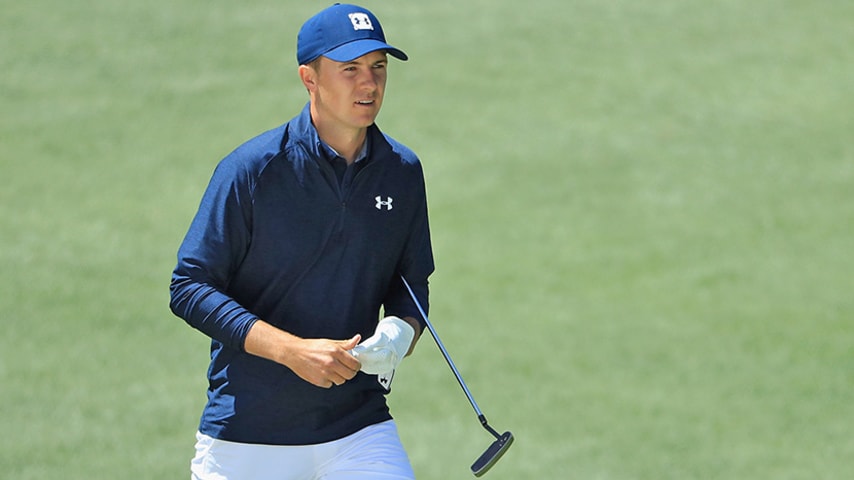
{"points": [[299, 242]]}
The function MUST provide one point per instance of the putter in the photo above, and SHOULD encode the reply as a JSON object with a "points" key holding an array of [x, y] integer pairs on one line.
{"points": [[502, 441]]}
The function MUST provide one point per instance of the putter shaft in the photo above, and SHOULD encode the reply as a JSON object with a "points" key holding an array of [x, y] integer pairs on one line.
{"points": [[502, 441], [447, 356]]}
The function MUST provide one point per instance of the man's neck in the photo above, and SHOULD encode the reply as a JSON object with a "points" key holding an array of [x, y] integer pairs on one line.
{"points": [[346, 142]]}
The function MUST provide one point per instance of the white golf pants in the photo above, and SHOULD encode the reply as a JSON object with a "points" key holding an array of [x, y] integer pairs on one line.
{"points": [[374, 453]]}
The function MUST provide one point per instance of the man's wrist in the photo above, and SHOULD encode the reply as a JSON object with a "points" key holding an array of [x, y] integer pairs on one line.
{"points": [[416, 326], [266, 341]]}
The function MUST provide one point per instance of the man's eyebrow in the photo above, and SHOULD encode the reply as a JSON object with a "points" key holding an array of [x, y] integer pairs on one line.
{"points": [[357, 62]]}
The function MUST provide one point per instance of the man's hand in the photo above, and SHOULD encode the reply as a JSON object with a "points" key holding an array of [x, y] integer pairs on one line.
{"points": [[319, 361], [324, 362], [385, 349]]}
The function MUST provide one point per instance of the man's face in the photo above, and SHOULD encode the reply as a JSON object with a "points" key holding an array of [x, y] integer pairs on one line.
{"points": [[350, 94]]}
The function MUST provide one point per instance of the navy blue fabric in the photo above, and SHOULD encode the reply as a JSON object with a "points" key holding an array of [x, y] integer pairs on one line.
{"points": [[276, 237]]}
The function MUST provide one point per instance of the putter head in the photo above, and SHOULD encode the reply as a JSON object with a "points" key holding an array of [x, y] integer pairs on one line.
{"points": [[492, 454]]}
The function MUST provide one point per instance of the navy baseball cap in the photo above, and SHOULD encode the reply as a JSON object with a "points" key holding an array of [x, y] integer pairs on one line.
{"points": [[342, 33]]}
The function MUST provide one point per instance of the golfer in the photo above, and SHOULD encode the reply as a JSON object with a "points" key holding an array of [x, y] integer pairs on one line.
{"points": [[296, 249]]}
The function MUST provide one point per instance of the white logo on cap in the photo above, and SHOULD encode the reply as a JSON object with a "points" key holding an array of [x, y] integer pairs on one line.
{"points": [[361, 21]]}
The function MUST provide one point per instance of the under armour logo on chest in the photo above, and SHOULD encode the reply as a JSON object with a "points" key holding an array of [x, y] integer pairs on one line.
{"points": [[383, 203]]}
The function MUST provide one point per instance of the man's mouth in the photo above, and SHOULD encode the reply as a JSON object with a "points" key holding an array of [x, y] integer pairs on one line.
{"points": [[365, 102]]}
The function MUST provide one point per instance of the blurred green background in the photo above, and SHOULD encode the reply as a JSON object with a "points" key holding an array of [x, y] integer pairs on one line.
{"points": [[642, 212]]}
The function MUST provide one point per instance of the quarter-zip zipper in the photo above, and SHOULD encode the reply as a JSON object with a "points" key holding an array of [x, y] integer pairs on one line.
{"points": [[345, 191]]}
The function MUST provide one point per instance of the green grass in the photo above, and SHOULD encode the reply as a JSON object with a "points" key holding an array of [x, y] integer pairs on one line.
{"points": [[642, 215]]}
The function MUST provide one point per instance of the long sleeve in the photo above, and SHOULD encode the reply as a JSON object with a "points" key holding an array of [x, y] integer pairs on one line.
{"points": [[214, 246], [416, 265]]}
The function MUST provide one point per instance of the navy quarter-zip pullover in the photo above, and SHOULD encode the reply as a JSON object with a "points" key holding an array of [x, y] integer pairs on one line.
{"points": [[277, 237]]}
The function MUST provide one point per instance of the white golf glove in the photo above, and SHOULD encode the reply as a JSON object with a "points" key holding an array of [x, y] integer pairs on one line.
{"points": [[383, 352]]}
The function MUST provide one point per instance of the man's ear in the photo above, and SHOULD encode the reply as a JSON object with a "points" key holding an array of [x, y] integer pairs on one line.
{"points": [[308, 76]]}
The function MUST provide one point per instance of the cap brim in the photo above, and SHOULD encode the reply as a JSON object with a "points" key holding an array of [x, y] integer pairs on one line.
{"points": [[353, 50]]}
